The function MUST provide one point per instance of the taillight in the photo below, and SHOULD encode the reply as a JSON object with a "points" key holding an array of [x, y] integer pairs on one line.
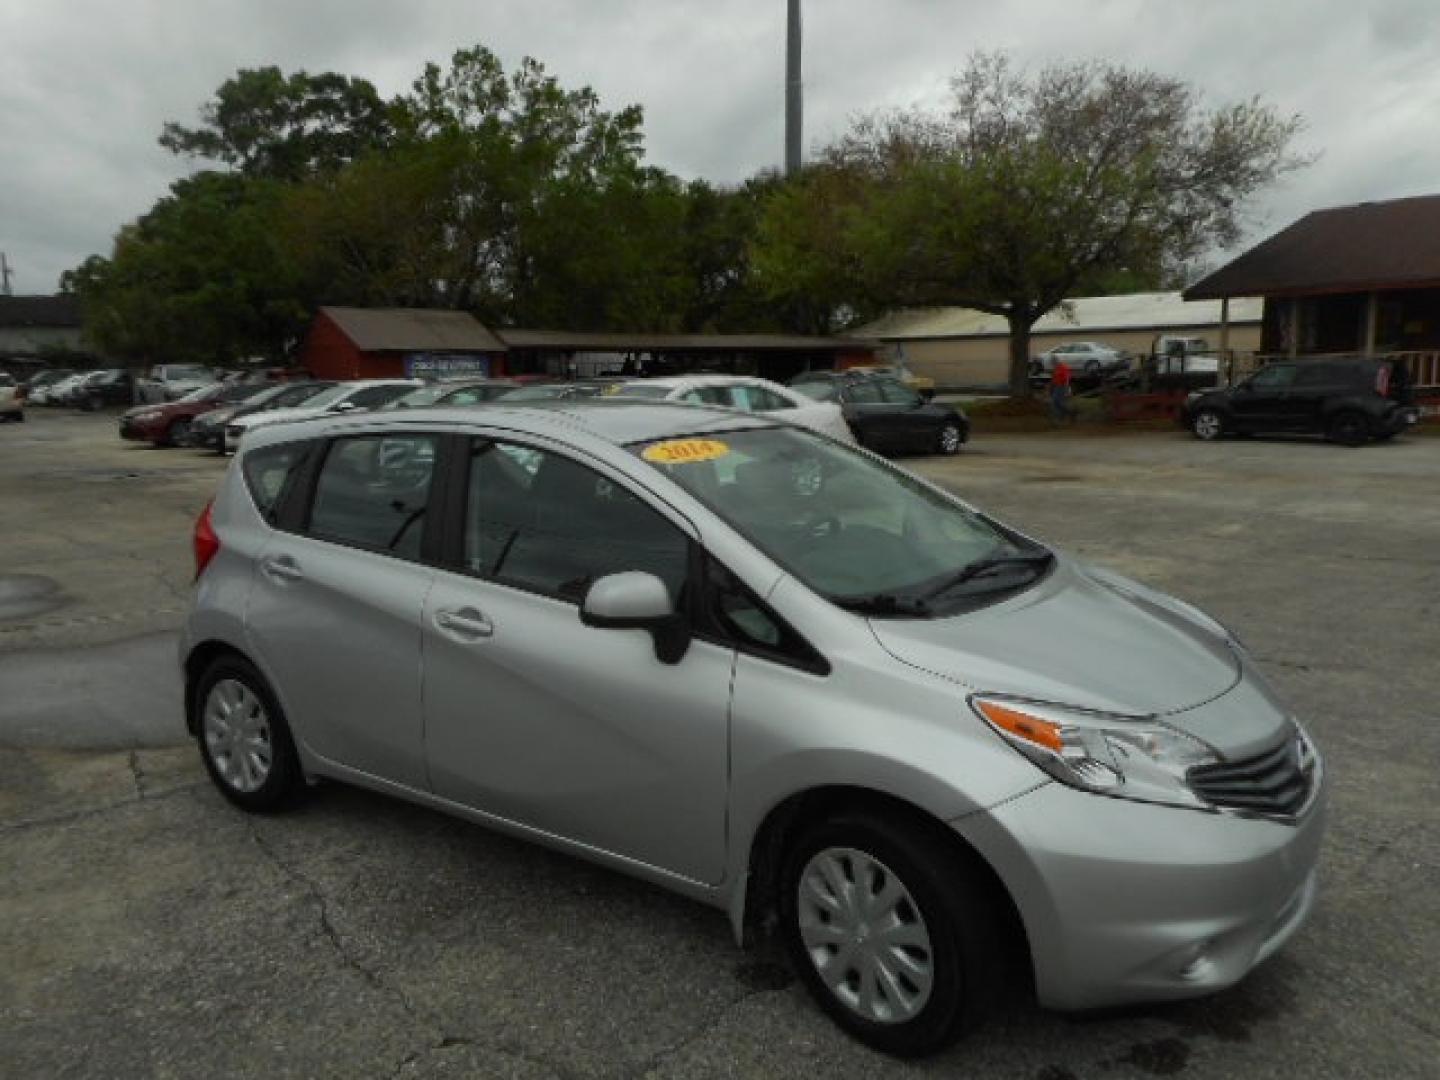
{"points": [[207, 544]]}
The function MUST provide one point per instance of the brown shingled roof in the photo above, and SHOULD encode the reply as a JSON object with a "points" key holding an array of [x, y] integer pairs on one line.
{"points": [[413, 330], [643, 342], [1374, 245]]}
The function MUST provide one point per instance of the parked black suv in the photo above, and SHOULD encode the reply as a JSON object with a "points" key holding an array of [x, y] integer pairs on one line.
{"points": [[1349, 401]]}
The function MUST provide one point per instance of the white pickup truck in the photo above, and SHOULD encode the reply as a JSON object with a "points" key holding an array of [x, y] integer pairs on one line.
{"points": [[1175, 355]]}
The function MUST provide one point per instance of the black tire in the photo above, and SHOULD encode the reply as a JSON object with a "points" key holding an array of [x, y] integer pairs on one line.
{"points": [[177, 432], [1348, 428], [1207, 425], [954, 899], [284, 781], [949, 439]]}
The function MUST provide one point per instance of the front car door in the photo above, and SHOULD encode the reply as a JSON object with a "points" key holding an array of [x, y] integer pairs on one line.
{"points": [[915, 426], [537, 719], [335, 607], [1258, 404]]}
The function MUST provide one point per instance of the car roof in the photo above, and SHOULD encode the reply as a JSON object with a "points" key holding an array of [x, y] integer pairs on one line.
{"points": [[676, 381], [619, 421]]}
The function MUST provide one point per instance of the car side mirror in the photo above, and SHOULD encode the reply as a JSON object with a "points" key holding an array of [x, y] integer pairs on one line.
{"points": [[635, 600]]}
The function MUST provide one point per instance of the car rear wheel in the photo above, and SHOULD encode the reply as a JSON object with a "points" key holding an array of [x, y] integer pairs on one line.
{"points": [[1208, 425], [244, 739], [949, 440], [894, 939], [1348, 429]]}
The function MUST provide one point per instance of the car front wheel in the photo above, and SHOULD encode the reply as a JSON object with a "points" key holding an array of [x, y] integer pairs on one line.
{"points": [[950, 439], [1207, 424], [893, 934]]}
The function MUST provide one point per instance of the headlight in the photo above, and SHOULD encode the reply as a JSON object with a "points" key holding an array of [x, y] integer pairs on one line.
{"points": [[146, 416], [1143, 760]]}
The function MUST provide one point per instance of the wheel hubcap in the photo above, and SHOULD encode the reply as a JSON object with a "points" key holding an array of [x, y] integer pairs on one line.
{"points": [[864, 933], [1207, 425], [950, 440], [237, 735]]}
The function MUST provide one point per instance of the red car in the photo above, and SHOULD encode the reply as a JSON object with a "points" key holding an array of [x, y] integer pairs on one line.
{"points": [[168, 423]]}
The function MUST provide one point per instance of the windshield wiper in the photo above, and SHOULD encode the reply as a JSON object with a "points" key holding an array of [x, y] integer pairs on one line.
{"points": [[990, 563], [882, 604]]}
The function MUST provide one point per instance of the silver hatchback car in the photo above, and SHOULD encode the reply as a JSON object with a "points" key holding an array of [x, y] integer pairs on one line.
{"points": [[771, 672]]}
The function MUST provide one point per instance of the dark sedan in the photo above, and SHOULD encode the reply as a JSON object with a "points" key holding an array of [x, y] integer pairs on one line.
{"points": [[168, 423], [886, 415], [208, 430]]}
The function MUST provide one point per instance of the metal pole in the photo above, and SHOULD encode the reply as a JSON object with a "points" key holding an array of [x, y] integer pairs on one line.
{"points": [[794, 103]]}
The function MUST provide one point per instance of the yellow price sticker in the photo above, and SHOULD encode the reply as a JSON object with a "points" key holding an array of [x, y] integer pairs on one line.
{"points": [[685, 451]]}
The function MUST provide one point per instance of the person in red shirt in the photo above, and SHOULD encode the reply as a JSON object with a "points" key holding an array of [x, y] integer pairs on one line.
{"points": [[1060, 408]]}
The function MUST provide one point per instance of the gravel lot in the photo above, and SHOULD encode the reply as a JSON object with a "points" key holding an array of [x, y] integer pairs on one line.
{"points": [[147, 929]]}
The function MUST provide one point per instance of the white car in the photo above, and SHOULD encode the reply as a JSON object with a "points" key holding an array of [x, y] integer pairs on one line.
{"points": [[1083, 358], [11, 407], [747, 394], [58, 393], [342, 397]]}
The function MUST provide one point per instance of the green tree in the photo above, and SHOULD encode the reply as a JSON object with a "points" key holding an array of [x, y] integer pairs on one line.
{"points": [[285, 127], [1028, 186], [198, 278]]}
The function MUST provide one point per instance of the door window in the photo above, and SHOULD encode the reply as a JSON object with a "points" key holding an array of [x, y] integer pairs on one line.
{"points": [[897, 393], [539, 521], [758, 399], [1319, 375], [372, 492], [267, 471], [373, 396], [866, 392], [1274, 377]]}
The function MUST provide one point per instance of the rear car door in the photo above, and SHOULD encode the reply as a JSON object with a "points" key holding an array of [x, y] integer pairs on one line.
{"points": [[871, 418], [1304, 404], [335, 608], [537, 719]]}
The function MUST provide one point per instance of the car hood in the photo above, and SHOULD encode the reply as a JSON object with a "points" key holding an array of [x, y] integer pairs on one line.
{"points": [[1082, 637], [278, 416]]}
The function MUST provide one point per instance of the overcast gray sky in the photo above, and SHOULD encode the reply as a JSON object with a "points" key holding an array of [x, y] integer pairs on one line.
{"points": [[86, 84]]}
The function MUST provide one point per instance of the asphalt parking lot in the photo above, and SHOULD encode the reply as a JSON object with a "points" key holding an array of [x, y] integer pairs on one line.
{"points": [[148, 929]]}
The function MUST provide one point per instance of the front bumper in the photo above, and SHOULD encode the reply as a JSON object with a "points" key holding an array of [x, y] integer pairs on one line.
{"points": [[1126, 902], [145, 431]]}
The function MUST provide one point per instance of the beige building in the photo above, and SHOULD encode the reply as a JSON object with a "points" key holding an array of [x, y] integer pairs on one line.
{"points": [[962, 348]]}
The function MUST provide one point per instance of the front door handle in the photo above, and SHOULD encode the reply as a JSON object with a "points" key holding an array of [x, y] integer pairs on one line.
{"points": [[282, 568], [465, 623]]}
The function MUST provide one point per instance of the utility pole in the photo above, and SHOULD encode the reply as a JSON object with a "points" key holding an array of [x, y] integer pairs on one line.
{"points": [[794, 103], [5, 274]]}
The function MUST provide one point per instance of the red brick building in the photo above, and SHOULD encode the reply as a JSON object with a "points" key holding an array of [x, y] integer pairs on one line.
{"points": [[391, 343]]}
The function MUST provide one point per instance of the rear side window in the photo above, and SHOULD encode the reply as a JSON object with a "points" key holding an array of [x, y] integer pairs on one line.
{"points": [[373, 396], [372, 492], [268, 471]]}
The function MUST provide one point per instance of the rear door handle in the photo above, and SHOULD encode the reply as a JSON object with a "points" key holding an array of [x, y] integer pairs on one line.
{"points": [[282, 568], [465, 623]]}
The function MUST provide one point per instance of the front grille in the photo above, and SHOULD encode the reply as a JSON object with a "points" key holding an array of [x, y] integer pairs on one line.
{"points": [[1276, 782]]}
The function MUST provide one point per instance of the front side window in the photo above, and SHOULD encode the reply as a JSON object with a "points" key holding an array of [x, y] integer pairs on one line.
{"points": [[373, 397], [863, 392], [758, 399], [897, 393], [372, 492], [540, 521], [1274, 377], [862, 534]]}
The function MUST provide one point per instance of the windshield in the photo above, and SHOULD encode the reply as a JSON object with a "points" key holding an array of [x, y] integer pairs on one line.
{"points": [[330, 396], [820, 391], [187, 373], [859, 532], [543, 392], [205, 393], [418, 399], [643, 390]]}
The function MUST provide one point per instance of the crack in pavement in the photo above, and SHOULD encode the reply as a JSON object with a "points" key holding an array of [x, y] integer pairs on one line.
{"points": [[655, 1060], [72, 816], [441, 1040]]}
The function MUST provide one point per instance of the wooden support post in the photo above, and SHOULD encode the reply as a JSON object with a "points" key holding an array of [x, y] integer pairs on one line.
{"points": [[1372, 320], [1294, 314], [1228, 367]]}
